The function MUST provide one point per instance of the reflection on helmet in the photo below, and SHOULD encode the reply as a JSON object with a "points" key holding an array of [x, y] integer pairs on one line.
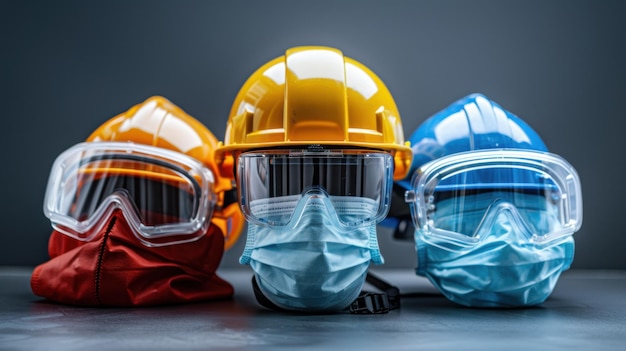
{"points": [[314, 95], [160, 123], [471, 123]]}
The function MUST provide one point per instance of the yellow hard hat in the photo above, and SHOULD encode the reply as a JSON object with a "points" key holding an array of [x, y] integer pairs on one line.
{"points": [[158, 122], [314, 95]]}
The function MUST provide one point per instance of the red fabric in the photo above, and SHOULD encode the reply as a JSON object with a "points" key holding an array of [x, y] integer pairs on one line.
{"points": [[115, 269]]}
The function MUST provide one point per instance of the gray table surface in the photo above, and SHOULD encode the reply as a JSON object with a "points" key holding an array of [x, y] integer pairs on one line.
{"points": [[587, 311]]}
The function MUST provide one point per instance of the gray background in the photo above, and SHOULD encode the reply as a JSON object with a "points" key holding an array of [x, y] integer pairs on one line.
{"points": [[68, 66]]}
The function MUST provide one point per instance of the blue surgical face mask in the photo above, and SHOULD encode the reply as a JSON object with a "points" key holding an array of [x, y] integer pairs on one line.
{"points": [[315, 266], [504, 268]]}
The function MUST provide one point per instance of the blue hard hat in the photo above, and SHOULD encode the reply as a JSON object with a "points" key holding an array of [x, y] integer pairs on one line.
{"points": [[471, 123]]}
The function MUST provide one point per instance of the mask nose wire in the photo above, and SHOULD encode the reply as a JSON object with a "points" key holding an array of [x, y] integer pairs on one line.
{"points": [[512, 214], [318, 199]]}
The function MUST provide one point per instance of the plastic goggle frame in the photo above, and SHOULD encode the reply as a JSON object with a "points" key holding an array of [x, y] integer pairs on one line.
{"points": [[91, 162], [553, 167], [331, 178]]}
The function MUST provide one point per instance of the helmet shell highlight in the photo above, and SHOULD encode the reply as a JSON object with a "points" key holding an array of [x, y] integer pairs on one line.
{"points": [[471, 123], [314, 95]]}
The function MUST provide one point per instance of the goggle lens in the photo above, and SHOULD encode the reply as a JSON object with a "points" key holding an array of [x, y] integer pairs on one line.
{"points": [[166, 197], [278, 183], [456, 196]]}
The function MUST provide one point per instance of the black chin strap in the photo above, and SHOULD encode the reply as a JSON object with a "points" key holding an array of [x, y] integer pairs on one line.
{"points": [[366, 303], [375, 303], [260, 298]]}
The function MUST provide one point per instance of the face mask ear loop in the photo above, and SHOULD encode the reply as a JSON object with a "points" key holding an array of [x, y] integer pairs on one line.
{"points": [[377, 258], [421, 255], [250, 239]]}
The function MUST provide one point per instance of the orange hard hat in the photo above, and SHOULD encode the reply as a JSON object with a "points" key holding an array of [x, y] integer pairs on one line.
{"points": [[158, 122]]}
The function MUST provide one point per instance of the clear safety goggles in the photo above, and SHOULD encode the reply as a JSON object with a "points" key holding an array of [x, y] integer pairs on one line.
{"points": [[458, 197], [276, 186], [165, 196]]}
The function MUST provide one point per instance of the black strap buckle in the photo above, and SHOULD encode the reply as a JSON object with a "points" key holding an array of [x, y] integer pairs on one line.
{"points": [[392, 292], [370, 303]]}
